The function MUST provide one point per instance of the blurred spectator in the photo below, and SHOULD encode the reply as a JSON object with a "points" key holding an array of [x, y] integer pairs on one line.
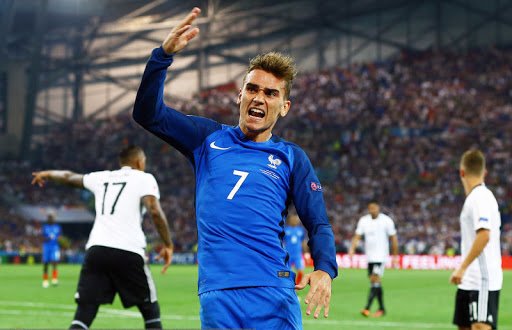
{"points": [[392, 130]]}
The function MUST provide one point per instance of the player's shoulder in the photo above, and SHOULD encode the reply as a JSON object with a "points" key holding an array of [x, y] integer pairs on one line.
{"points": [[99, 173], [95, 176], [142, 176], [293, 148], [364, 219], [297, 156], [481, 194], [386, 217]]}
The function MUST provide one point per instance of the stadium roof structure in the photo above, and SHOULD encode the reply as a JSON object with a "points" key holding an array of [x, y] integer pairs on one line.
{"points": [[84, 58]]}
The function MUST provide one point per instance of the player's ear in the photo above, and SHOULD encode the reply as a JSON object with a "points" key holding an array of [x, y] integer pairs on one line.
{"points": [[286, 107], [239, 98], [462, 173]]}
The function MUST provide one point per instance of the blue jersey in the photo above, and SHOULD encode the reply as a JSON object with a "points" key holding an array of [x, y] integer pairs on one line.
{"points": [[51, 233], [294, 235], [243, 189]]}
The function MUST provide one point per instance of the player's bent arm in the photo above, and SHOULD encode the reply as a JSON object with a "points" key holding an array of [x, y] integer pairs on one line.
{"points": [[394, 245], [159, 219], [184, 132], [480, 242], [60, 176], [353, 246]]}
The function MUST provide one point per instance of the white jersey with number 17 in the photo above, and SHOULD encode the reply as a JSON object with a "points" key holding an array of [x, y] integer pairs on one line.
{"points": [[118, 203]]}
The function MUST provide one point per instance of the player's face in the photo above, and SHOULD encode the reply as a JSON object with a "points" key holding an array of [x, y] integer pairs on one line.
{"points": [[374, 210], [262, 101]]}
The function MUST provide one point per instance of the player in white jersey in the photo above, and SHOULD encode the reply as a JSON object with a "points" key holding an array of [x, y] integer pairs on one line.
{"points": [[115, 261], [479, 277], [377, 228]]}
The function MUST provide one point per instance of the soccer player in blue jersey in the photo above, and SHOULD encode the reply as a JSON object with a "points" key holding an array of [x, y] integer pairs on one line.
{"points": [[294, 239], [245, 179], [51, 250]]}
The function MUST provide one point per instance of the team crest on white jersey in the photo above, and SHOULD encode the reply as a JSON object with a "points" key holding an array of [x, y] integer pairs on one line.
{"points": [[274, 162]]}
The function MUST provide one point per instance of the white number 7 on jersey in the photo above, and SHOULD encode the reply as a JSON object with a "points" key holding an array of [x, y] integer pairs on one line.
{"points": [[243, 176]]}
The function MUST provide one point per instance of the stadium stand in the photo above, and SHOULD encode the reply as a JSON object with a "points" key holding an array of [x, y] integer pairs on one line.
{"points": [[392, 130]]}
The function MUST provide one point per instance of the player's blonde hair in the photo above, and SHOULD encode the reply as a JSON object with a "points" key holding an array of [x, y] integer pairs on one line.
{"points": [[473, 162], [280, 65]]}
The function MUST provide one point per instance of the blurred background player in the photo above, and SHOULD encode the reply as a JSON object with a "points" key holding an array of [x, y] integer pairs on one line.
{"points": [[377, 228], [51, 250], [115, 260], [479, 277], [294, 240]]}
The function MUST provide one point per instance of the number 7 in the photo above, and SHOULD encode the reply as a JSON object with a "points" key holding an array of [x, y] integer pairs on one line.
{"points": [[243, 176]]}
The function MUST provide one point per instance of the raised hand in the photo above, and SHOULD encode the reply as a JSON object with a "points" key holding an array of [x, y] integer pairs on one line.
{"points": [[181, 34]]}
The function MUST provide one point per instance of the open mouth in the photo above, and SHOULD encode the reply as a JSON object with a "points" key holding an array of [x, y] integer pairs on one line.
{"points": [[256, 113]]}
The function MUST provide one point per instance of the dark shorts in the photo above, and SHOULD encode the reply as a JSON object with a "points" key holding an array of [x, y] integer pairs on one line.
{"points": [[376, 268], [476, 307], [107, 271]]}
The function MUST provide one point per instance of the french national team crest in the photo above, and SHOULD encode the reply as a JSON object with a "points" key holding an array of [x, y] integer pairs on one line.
{"points": [[274, 162]]}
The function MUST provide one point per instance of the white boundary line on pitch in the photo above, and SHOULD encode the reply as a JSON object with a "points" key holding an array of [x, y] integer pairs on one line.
{"points": [[104, 311], [112, 313]]}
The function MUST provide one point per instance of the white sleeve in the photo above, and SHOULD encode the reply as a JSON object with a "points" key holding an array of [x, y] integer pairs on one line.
{"points": [[360, 227], [93, 181], [481, 212], [149, 187], [391, 230]]}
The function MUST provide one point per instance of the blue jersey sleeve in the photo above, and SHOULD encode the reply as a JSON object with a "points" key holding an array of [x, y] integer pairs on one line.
{"points": [[309, 202], [184, 132]]}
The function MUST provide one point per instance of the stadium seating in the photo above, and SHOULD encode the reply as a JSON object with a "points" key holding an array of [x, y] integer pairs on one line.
{"points": [[393, 131]]}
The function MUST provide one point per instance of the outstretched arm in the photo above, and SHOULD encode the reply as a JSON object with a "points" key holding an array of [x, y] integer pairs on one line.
{"points": [[59, 176], [160, 221]]}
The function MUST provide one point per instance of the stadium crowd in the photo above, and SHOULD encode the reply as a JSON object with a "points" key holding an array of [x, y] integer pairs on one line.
{"points": [[392, 131]]}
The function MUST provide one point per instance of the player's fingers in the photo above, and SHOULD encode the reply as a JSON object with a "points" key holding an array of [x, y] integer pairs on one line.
{"points": [[303, 282], [327, 302], [190, 17], [191, 34], [326, 309], [164, 269], [38, 181], [317, 311], [311, 294], [178, 32]]}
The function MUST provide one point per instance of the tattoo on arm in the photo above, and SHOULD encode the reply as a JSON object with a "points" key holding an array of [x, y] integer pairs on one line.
{"points": [[159, 219]]}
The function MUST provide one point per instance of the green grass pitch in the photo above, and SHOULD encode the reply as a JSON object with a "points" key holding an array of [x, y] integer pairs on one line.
{"points": [[414, 300]]}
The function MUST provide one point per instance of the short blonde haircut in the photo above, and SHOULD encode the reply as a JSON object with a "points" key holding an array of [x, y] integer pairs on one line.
{"points": [[473, 162], [280, 65]]}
